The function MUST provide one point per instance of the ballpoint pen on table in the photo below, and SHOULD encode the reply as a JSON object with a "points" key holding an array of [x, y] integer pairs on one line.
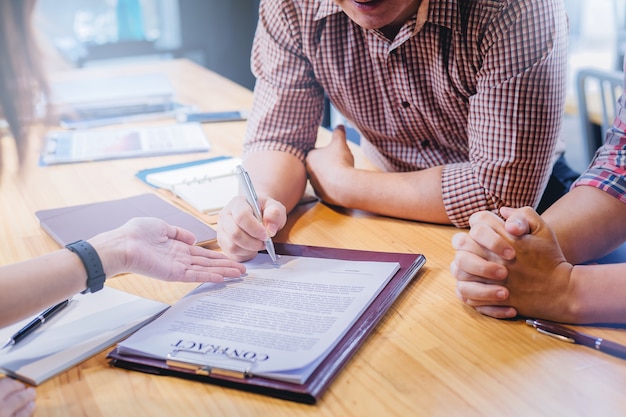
{"points": [[252, 198], [568, 335], [35, 323]]}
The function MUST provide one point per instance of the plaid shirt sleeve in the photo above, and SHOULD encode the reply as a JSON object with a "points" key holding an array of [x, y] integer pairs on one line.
{"points": [[608, 168], [514, 117], [288, 101]]}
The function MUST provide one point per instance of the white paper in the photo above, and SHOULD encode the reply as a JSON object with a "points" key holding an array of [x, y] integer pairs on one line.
{"points": [[280, 321], [88, 325], [99, 144], [209, 196]]}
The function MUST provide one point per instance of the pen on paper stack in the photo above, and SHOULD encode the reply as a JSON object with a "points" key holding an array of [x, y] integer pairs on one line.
{"points": [[252, 198], [35, 323], [568, 335]]}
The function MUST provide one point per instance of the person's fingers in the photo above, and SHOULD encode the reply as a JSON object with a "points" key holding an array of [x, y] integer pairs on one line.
{"points": [[478, 294], [528, 218], [463, 242], [518, 220], [498, 312], [491, 240], [249, 227], [236, 242], [199, 273], [467, 266], [484, 302], [206, 253], [339, 132], [200, 262], [15, 398], [274, 216], [183, 235]]}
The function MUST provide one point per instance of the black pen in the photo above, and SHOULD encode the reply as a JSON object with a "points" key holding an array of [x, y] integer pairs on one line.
{"points": [[568, 335], [35, 323]]}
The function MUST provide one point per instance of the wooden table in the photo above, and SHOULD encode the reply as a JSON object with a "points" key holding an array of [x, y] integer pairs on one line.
{"points": [[430, 356]]}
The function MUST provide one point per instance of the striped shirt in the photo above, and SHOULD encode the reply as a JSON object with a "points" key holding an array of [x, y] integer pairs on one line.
{"points": [[607, 171], [477, 86]]}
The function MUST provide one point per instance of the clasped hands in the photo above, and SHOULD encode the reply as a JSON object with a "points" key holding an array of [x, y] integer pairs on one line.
{"points": [[511, 267]]}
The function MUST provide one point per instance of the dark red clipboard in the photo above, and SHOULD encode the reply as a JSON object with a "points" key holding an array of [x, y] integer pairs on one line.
{"points": [[309, 392]]}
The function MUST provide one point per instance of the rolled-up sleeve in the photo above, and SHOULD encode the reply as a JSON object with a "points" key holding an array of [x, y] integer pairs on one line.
{"points": [[515, 114]]}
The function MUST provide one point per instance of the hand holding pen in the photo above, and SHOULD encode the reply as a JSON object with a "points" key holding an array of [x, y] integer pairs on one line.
{"points": [[569, 335], [251, 197]]}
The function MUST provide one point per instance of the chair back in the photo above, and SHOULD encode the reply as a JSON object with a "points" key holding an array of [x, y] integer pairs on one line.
{"points": [[597, 94]]}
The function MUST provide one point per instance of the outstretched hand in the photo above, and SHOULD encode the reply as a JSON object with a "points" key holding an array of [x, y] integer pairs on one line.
{"points": [[152, 247]]}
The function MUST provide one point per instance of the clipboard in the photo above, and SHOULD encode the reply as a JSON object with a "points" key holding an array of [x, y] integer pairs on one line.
{"points": [[311, 391]]}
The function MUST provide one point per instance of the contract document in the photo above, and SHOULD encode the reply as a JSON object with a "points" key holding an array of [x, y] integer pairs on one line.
{"points": [[278, 321]]}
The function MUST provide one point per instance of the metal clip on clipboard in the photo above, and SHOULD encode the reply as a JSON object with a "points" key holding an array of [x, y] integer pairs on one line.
{"points": [[240, 370]]}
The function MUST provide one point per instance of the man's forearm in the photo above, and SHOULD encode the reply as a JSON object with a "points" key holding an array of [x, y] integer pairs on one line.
{"points": [[408, 195], [278, 175], [596, 294], [588, 223]]}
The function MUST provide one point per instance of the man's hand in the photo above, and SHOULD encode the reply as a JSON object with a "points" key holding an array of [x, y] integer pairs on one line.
{"points": [[327, 167], [239, 233]]}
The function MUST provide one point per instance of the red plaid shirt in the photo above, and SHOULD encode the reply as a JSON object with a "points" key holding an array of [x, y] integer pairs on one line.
{"points": [[476, 86]]}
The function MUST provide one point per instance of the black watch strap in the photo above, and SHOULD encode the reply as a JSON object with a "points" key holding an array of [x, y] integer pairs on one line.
{"points": [[92, 263]]}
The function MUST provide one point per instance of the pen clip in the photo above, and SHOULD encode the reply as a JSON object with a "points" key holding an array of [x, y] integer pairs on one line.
{"points": [[542, 327], [557, 336]]}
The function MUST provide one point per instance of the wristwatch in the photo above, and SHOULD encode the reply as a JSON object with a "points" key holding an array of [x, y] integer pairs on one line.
{"points": [[93, 265]]}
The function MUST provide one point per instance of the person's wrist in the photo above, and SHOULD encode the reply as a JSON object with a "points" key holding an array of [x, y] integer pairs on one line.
{"points": [[566, 306], [347, 189], [91, 262], [112, 251]]}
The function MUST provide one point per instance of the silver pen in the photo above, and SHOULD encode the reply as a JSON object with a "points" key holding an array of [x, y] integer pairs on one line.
{"points": [[252, 198]]}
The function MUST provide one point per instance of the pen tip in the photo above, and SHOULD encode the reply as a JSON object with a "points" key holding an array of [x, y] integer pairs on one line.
{"points": [[9, 342], [531, 322]]}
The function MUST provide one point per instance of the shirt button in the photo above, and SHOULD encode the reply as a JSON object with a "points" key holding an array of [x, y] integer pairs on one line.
{"points": [[425, 143], [406, 104]]}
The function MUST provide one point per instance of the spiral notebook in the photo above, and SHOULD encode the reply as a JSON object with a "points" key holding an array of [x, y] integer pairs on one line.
{"points": [[206, 185]]}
